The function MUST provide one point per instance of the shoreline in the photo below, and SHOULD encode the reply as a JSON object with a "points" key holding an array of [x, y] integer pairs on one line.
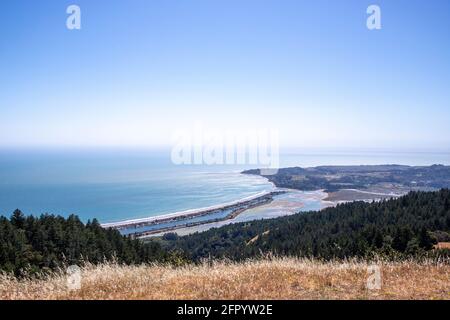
{"points": [[233, 215], [194, 213], [178, 214], [195, 218], [188, 219], [318, 196]]}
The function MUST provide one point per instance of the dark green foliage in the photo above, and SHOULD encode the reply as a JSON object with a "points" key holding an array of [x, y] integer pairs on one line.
{"points": [[48, 242], [440, 236], [392, 227], [170, 236], [425, 240]]}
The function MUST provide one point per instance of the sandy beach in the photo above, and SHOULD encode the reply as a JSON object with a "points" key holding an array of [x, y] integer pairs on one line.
{"points": [[188, 217]]}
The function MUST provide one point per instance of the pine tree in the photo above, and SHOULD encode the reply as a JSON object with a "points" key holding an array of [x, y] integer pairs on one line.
{"points": [[425, 241], [18, 219]]}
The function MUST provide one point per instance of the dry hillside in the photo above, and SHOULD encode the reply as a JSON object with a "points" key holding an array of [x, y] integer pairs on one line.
{"points": [[284, 278]]}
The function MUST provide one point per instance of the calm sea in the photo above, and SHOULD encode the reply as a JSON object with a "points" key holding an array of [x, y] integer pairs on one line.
{"points": [[114, 185]]}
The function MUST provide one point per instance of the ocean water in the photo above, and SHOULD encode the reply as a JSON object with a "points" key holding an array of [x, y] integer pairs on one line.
{"points": [[114, 185]]}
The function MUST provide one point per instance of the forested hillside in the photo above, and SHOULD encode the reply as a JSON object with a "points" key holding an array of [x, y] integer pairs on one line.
{"points": [[37, 244], [408, 225]]}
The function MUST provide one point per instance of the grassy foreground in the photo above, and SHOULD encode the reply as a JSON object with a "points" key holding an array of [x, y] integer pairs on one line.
{"points": [[280, 278]]}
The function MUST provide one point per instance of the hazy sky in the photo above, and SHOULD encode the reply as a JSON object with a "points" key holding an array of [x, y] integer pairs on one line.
{"points": [[139, 70]]}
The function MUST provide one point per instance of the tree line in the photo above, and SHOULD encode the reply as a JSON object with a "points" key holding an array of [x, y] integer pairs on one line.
{"points": [[31, 244], [407, 226]]}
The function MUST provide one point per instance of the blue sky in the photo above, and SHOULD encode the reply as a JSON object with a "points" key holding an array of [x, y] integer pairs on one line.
{"points": [[140, 69]]}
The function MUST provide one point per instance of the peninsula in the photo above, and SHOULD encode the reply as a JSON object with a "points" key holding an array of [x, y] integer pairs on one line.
{"points": [[366, 182]]}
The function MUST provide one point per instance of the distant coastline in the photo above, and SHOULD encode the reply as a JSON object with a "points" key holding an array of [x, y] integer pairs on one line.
{"points": [[340, 184], [362, 182]]}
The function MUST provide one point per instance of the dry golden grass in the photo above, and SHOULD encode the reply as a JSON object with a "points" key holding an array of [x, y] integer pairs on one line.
{"points": [[281, 278], [442, 245]]}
